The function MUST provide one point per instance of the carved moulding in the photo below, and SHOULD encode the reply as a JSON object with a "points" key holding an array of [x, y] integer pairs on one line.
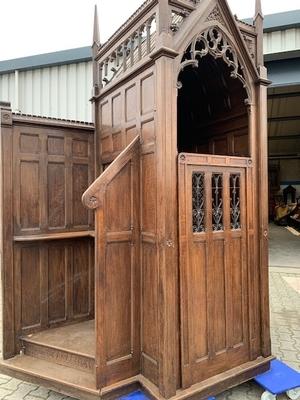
{"points": [[214, 42]]}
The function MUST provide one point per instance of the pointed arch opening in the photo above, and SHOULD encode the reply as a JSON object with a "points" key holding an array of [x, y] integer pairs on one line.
{"points": [[213, 98]]}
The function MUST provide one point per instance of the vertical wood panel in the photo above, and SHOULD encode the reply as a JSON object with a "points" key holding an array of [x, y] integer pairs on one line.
{"points": [[80, 278], [80, 184], [30, 287], [57, 275], [56, 195], [30, 195]]}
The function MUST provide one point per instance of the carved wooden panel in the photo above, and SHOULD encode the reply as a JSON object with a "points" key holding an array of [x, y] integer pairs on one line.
{"points": [[213, 267], [53, 283], [115, 196], [126, 113], [52, 169]]}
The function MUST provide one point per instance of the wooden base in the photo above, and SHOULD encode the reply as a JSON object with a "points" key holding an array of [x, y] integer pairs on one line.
{"points": [[81, 385]]}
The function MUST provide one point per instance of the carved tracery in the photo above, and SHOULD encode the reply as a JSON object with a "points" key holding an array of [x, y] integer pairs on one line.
{"points": [[214, 42]]}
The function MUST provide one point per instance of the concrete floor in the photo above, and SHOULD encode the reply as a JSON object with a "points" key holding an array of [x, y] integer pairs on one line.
{"points": [[284, 248]]}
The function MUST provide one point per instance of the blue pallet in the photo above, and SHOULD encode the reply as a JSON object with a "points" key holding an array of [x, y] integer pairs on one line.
{"points": [[279, 379], [139, 395]]}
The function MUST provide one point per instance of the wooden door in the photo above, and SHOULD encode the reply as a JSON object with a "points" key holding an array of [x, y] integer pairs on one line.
{"points": [[213, 265]]}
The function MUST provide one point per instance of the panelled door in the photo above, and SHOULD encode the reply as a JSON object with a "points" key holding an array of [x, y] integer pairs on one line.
{"points": [[213, 265]]}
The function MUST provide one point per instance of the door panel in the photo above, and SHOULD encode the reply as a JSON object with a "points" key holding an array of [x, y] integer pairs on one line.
{"points": [[213, 265]]}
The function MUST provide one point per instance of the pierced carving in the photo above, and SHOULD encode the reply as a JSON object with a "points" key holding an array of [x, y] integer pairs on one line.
{"points": [[217, 202], [250, 43], [235, 205], [214, 42], [216, 15], [198, 202]]}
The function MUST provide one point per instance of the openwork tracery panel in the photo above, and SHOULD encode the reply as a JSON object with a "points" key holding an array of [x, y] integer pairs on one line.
{"points": [[198, 202], [235, 201], [217, 202], [214, 42]]}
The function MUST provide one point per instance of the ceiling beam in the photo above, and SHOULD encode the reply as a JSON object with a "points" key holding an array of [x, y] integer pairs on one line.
{"points": [[283, 95], [284, 119], [283, 137]]}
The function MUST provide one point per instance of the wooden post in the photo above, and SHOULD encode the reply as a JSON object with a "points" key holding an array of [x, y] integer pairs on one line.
{"points": [[263, 229], [167, 224], [6, 235]]}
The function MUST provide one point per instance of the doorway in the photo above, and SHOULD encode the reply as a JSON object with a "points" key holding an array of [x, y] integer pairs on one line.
{"points": [[214, 180]]}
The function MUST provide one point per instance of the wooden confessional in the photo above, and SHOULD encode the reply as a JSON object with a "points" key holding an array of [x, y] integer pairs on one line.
{"points": [[180, 202]]}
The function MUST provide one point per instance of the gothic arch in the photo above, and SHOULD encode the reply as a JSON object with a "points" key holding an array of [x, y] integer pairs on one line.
{"points": [[213, 41]]}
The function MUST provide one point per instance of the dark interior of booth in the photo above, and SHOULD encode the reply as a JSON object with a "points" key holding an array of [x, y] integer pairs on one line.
{"points": [[212, 110]]}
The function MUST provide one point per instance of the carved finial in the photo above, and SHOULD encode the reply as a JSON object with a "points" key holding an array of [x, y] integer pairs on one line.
{"points": [[259, 27], [96, 34], [258, 9]]}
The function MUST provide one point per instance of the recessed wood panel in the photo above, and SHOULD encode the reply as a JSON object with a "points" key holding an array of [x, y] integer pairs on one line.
{"points": [[57, 273], [131, 133], [80, 148], [238, 288], [106, 144], [56, 195], [30, 283], [29, 143], [116, 111], [80, 278], [29, 195], [218, 306], [148, 132], [198, 292], [147, 94], [80, 184], [220, 146], [118, 282], [117, 141], [148, 193], [241, 145], [56, 145], [131, 103], [149, 301], [104, 116], [118, 201]]}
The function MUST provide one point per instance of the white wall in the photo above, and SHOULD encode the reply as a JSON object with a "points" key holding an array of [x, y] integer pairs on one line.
{"points": [[282, 41], [60, 91]]}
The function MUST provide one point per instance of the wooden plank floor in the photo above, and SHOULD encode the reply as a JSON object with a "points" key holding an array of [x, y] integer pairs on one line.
{"points": [[78, 338]]}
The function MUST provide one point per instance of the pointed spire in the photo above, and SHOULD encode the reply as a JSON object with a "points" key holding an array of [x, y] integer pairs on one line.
{"points": [[259, 27], [258, 9], [96, 35]]}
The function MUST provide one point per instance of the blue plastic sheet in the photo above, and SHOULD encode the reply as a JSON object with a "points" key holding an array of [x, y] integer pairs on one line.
{"points": [[139, 395], [279, 379]]}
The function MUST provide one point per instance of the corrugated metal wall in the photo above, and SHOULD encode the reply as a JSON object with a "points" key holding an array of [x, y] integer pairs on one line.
{"points": [[60, 91], [64, 91], [279, 41]]}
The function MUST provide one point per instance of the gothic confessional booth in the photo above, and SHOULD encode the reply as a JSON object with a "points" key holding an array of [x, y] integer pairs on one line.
{"points": [[180, 200]]}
